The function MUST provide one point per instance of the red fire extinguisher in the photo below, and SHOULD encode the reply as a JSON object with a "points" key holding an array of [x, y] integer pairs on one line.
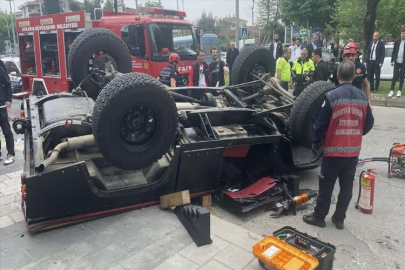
{"points": [[365, 199]]}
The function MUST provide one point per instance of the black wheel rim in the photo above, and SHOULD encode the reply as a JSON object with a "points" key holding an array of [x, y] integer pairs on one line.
{"points": [[139, 128], [99, 61]]}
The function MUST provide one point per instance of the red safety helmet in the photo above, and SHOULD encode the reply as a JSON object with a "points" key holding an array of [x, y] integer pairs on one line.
{"points": [[350, 48], [174, 57]]}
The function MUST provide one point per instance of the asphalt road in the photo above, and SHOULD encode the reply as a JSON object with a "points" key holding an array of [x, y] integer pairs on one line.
{"points": [[369, 241]]}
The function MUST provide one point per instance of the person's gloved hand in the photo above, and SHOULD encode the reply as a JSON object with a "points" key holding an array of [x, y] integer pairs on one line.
{"points": [[316, 147]]}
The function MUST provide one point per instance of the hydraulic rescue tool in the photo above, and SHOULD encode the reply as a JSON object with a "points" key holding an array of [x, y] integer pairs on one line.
{"points": [[290, 204]]}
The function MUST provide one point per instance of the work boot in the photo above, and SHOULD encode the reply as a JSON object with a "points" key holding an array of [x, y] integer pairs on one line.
{"points": [[9, 159], [312, 219], [339, 224]]}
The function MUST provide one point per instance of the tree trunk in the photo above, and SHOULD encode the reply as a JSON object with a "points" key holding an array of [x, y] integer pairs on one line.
{"points": [[368, 24]]}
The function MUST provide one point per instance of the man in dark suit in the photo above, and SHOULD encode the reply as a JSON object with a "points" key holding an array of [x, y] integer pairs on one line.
{"points": [[375, 60], [230, 58], [276, 49], [313, 45], [321, 68], [398, 61]]}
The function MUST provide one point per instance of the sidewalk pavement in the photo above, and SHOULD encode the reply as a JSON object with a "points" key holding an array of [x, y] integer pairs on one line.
{"points": [[384, 100], [148, 238]]}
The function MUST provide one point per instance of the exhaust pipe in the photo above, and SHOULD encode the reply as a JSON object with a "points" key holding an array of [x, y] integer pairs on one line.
{"points": [[71, 144]]}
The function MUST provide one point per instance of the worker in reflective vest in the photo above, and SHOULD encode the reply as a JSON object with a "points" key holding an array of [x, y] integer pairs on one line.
{"points": [[344, 118], [302, 72]]}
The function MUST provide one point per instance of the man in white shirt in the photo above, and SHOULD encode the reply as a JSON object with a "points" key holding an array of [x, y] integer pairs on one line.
{"points": [[398, 61], [296, 50]]}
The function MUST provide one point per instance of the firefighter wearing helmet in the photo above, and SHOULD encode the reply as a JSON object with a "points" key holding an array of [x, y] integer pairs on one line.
{"points": [[168, 75], [351, 52]]}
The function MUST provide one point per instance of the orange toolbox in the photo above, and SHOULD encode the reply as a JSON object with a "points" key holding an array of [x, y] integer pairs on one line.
{"points": [[290, 249]]}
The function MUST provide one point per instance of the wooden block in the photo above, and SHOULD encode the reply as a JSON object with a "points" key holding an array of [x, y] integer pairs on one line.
{"points": [[175, 199], [206, 201]]}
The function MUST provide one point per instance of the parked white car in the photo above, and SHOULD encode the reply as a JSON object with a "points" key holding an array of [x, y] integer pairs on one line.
{"points": [[387, 70], [14, 72]]}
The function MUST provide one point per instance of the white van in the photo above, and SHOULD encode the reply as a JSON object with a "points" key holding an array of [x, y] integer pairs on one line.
{"points": [[387, 70]]}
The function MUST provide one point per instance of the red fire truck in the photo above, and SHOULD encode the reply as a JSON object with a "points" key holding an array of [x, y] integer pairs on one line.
{"points": [[45, 42]]}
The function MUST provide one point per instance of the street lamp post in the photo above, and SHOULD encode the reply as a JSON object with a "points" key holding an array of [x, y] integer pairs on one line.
{"points": [[237, 25]]}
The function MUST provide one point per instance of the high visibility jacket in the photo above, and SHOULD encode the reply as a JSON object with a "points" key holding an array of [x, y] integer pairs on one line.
{"points": [[345, 132], [300, 68], [285, 67]]}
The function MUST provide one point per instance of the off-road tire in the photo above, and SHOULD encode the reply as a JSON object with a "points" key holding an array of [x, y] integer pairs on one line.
{"points": [[304, 111], [247, 59], [122, 95], [82, 49]]}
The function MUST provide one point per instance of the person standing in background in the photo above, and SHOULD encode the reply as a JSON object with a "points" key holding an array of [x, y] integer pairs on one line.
{"points": [[321, 68], [5, 102], [283, 68], [313, 45], [375, 60], [276, 50], [230, 58], [398, 62], [218, 69]]}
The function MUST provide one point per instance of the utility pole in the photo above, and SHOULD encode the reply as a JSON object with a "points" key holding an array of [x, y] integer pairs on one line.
{"points": [[177, 4], [253, 18], [40, 7], [182, 1], [67, 9], [237, 30], [12, 27], [136, 5]]}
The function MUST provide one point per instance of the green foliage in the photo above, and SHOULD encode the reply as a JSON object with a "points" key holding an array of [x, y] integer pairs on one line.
{"points": [[303, 13], [347, 19], [150, 3], [91, 5], [268, 13], [207, 22], [109, 5], [74, 5], [390, 14], [50, 6], [5, 19]]}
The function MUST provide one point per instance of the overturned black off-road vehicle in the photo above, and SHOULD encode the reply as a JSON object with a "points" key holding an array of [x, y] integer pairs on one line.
{"points": [[140, 140]]}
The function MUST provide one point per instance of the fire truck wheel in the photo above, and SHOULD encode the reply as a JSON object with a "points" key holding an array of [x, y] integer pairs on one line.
{"points": [[305, 111], [93, 49], [134, 121], [254, 59]]}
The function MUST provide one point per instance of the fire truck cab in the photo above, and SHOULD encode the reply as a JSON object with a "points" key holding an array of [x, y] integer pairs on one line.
{"points": [[44, 44]]}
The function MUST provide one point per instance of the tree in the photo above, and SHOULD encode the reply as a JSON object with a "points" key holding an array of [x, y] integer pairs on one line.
{"points": [[207, 22], [74, 5], [269, 14], [390, 14], [91, 5], [150, 3], [108, 5], [347, 18], [50, 6], [307, 13], [5, 31], [369, 23]]}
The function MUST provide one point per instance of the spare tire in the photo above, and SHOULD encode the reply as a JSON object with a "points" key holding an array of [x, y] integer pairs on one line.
{"points": [[254, 59], [305, 111], [134, 121], [93, 49]]}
